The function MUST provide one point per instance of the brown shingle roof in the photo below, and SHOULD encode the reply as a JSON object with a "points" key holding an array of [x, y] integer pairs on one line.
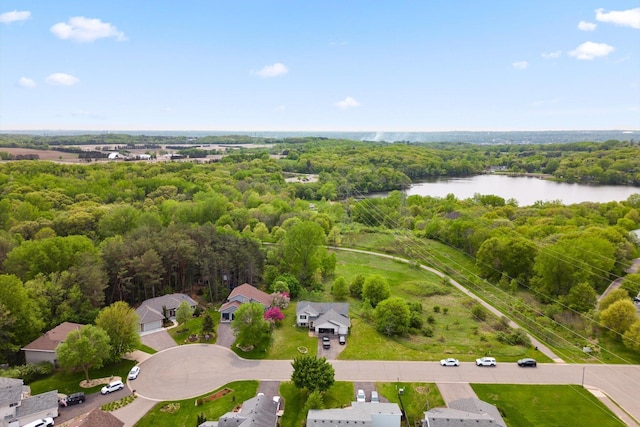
{"points": [[252, 293], [50, 340], [95, 418]]}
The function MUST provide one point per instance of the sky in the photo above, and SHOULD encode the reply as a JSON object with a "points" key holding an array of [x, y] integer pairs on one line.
{"points": [[319, 65]]}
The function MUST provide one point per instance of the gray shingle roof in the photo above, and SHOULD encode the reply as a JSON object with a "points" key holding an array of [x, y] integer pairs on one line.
{"points": [[47, 401], [360, 413], [10, 391], [319, 308], [465, 413], [333, 317], [259, 411], [171, 301]]}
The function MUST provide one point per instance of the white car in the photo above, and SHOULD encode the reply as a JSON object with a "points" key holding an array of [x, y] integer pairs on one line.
{"points": [[133, 373], [112, 386], [42, 422], [486, 361], [450, 362], [360, 396]]}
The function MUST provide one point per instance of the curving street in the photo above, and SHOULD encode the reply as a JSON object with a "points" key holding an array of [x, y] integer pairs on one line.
{"points": [[191, 370]]}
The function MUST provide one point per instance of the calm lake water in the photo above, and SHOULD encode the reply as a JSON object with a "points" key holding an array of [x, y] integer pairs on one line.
{"points": [[525, 190]]}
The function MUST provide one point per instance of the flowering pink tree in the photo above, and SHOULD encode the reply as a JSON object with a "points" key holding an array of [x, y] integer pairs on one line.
{"points": [[281, 300], [274, 315]]}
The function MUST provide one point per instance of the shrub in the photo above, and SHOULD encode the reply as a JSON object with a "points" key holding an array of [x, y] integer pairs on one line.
{"points": [[427, 331], [445, 310], [478, 312], [431, 320], [416, 321], [28, 373], [436, 309]]}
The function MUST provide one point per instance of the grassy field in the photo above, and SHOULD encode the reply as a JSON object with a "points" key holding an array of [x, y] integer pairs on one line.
{"points": [[416, 397], [547, 405], [69, 382], [456, 333], [184, 413]]}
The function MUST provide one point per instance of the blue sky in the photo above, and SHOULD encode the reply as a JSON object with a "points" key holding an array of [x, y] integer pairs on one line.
{"points": [[319, 65]]}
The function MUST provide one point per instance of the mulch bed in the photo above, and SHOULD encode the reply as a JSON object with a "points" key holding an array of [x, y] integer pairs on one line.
{"points": [[218, 395]]}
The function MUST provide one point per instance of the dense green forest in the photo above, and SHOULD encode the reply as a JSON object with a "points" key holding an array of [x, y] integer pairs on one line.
{"points": [[77, 237]]}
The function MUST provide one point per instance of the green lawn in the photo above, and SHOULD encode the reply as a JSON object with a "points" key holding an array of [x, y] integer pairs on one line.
{"points": [[181, 333], [69, 382], [186, 413], [146, 349], [287, 338], [341, 394], [416, 397], [456, 334], [547, 405]]}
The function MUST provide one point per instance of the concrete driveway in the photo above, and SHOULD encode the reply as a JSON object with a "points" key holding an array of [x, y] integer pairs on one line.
{"points": [[226, 337], [158, 341]]}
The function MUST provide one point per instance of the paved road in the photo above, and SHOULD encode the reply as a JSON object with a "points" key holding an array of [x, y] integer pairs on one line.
{"points": [[189, 371], [93, 401]]}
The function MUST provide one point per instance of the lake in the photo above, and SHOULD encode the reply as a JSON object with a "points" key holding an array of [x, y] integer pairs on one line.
{"points": [[525, 190]]}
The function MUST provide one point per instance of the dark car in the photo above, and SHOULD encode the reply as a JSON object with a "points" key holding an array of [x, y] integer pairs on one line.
{"points": [[326, 342], [73, 399], [527, 362], [636, 300]]}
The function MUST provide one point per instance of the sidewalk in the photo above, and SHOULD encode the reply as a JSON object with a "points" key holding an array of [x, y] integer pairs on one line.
{"points": [[135, 410], [609, 403]]}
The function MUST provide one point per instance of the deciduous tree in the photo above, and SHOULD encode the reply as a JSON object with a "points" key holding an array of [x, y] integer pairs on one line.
{"points": [[393, 316], [249, 324], [121, 323], [312, 373], [619, 317], [183, 313], [375, 289], [85, 348]]}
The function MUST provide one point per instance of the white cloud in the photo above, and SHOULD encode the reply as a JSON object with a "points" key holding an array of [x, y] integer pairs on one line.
{"points": [[62, 79], [26, 82], [14, 16], [274, 70], [551, 55], [591, 50], [520, 65], [587, 26], [86, 30], [624, 18], [348, 102]]}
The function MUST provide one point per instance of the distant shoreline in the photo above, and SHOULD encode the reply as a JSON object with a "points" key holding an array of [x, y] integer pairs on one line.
{"points": [[474, 137]]}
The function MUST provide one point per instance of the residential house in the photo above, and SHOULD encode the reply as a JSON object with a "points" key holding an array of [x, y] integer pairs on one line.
{"points": [[43, 349], [240, 295], [259, 411], [464, 413], [324, 317], [18, 407], [151, 311], [96, 418], [360, 414]]}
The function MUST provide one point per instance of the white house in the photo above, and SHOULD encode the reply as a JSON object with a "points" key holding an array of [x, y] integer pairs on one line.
{"points": [[151, 311], [43, 349], [18, 407], [324, 317], [360, 414]]}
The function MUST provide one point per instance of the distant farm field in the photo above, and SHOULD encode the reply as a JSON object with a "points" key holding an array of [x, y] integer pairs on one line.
{"points": [[48, 155]]}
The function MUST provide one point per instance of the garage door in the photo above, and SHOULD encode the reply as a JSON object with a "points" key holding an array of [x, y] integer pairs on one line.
{"points": [[326, 331]]}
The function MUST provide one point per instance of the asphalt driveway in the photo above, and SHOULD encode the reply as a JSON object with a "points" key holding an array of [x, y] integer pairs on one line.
{"points": [[226, 337]]}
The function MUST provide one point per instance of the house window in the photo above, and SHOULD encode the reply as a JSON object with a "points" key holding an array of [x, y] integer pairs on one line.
{"points": [[303, 317]]}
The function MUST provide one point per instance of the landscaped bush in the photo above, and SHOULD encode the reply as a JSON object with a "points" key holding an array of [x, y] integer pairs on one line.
{"points": [[112, 406], [28, 373]]}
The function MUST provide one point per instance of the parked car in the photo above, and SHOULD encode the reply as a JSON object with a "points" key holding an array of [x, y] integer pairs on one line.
{"points": [[636, 300], [74, 399], [527, 362], [112, 386], [276, 401], [342, 340], [326, 342], [374, 397], [42, 422], [486, 361], [133, 373], [360, 396], [450, 362]]}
